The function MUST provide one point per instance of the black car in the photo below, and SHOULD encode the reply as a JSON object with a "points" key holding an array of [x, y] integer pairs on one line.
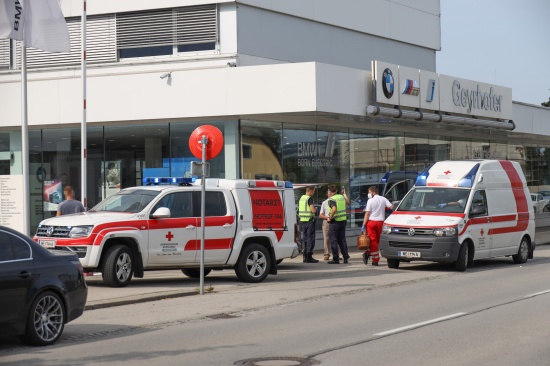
{"points": [[40, 290]]}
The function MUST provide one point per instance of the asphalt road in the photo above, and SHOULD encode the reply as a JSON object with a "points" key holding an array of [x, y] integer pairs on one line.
{"points": [[420, 314]]}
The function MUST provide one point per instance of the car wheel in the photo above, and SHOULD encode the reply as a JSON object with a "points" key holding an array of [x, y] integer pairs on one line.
{"points": [[523, 252], [546, 208], [195, 272], [462, 261], [117, 269], [534, 209], [46, 320], [393, 263], [254, 264]]}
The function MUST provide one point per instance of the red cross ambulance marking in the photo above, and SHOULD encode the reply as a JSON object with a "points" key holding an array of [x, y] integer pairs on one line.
{"points": [[169, 236], [447, 172], [482, 232], [417, 217]]}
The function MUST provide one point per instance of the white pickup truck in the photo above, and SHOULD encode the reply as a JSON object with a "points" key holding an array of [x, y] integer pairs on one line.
{"points": [[250, 226]]}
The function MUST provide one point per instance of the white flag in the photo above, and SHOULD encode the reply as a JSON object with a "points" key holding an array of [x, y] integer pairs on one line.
{"points": [[40, 22], [11, 19]]}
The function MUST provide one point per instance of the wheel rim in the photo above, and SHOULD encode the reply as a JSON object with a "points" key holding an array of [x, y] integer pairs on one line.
{"points": [[256, 264], [48, 318], [123, 267], [524, 250]]}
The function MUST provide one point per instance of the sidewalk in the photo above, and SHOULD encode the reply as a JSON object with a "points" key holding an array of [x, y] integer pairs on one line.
{"points": [[157, 285]]}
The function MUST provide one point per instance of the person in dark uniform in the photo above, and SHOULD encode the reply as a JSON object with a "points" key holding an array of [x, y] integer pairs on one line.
{"points": [[337, 221], [306, 213]]}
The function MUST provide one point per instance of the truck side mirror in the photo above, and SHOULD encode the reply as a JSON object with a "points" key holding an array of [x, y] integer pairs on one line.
{"points": [[161, 213], [478, 211]]}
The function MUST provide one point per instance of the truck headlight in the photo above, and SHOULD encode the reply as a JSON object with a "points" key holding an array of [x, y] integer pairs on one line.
{"points": [[80, 231], [386, 229], [445, 231]]}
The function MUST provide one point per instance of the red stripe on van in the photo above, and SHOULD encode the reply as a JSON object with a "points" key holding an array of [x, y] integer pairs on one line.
{"points": [[209, 244]]}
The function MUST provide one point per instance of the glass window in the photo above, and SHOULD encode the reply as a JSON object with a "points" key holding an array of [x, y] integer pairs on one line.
{"points": [[180, 154], [261, 152], [214, 204], [13, 248]]}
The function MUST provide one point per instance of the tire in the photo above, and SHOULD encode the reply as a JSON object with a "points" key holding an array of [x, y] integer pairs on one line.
{"points": [[253, 265], [393, 263], [462, 262], [523, 252], [46, 320], [546, 208], [195, 272], [117, 268]]}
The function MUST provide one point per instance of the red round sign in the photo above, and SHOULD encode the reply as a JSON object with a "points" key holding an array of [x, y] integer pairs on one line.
{"points": [[214, 140]]}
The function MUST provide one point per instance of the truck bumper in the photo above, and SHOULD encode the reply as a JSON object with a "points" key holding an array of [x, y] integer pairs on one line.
{"points": [[430, 248]]}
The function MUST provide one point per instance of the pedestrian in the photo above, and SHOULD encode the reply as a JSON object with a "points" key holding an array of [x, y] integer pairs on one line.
{"points": [[324, 213], [70, 205], [306, 213], [375, 214], [337, 223]]}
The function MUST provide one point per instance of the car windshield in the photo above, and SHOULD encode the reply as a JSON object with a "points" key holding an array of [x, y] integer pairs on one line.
{"points": [[128, 200], [435, 199]]}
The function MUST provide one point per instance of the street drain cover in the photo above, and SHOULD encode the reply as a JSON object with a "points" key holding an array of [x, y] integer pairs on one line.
{"points": [[277, 361]]}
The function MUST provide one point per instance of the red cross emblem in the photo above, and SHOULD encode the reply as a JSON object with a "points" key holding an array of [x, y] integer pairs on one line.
{"points": [[447, 172], [482, 232], [417, 217], [169, 236]]}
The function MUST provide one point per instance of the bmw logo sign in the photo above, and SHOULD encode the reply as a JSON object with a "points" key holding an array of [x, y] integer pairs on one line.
{"points": [[387, 83]]}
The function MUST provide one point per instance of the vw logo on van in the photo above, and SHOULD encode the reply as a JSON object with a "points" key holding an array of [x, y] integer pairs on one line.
{"points": [[49, 230], [411, 232]]}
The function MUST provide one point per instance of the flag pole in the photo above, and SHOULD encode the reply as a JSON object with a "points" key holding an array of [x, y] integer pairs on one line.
{"points": [[83, 136], [25, 141]]}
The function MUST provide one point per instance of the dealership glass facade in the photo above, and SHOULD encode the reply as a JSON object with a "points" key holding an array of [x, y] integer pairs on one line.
{"points": [[351, 153]]}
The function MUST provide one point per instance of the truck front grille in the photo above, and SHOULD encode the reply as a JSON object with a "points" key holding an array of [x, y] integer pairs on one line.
{"points": [[407, 231], [53, 231], [407, 245]]}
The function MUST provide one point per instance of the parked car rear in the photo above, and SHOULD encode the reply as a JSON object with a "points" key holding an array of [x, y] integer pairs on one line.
{"points": [[40, 290]]}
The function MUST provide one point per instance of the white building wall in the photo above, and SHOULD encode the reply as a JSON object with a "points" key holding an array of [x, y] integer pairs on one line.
{"points": [[269, 37]]}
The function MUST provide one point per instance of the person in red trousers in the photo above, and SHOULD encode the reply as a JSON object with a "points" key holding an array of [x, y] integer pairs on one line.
{"points": [[375, 214]]}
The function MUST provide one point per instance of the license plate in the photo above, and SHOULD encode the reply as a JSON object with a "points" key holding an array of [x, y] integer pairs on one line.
{"points": [[49, 244], [409, 254]]}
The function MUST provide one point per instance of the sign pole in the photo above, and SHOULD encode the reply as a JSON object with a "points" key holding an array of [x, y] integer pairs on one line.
{"points": [[204, 143]]}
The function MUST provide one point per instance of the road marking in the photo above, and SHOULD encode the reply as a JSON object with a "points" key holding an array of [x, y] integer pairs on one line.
{"points": [[536, 294], [417, 325]]}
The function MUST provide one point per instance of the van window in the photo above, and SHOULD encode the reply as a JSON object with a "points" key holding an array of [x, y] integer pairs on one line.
{"points": [[435, 199], [479, 200]]}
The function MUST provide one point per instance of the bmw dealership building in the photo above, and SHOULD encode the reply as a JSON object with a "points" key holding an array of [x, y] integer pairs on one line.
{"points": [[305, 91]]}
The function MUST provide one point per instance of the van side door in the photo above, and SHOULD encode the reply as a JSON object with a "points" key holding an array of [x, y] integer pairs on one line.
{"points": [[480, 225]]}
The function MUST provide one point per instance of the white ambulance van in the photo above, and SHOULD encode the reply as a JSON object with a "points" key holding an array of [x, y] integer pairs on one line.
{"points": [[460, 211]]}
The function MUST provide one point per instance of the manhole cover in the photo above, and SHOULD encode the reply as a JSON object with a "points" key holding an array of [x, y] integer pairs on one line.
{"points": [[277, 361]]}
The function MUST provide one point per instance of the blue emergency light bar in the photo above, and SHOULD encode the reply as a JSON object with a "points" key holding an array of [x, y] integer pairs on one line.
{"points": [[422, 178], [468, 180], [149, 181]]}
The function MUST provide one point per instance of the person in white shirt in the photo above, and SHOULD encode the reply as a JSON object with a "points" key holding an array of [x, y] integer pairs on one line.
{"points": [[324, 214], [375, 214]]}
